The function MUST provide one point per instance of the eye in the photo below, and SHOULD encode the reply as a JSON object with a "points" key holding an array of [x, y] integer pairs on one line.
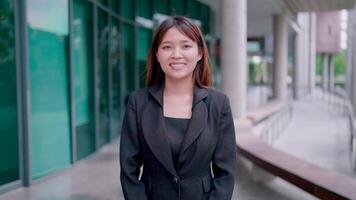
{"points": [[187, 46], [166, 47]]}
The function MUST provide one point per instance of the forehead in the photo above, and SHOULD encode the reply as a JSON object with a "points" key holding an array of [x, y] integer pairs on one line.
{"points": [[175, 35]]}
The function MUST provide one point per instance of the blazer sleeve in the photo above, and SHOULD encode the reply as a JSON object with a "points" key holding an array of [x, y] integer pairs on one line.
{"points": [[224, 159], [130, 157]]}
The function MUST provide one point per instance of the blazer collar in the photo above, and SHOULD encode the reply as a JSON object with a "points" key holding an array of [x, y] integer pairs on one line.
{"points": [[154, 131], [157, 92]]}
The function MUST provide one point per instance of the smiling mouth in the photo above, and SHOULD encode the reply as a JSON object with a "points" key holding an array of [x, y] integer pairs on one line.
{"points": [[177, 66]]}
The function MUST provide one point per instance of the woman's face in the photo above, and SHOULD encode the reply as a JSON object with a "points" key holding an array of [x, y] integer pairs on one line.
{"points": [[178, 55]]}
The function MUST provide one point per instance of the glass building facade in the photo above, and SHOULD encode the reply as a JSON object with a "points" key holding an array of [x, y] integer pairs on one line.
{"points": [[66, 70]]}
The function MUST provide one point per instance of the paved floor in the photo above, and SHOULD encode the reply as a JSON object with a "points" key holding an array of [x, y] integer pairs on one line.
{"points": [[94, 178], [97, 178], [314, 134], [318, 135]]}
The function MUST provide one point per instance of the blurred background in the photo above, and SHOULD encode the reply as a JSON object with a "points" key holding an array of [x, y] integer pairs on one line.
{"points": [[68, 66]]}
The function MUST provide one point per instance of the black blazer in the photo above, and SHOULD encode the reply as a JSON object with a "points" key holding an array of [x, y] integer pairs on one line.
{"points": [[206, 163]]}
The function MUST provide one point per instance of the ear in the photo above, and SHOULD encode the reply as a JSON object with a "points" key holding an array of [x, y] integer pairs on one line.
{"points": [[157, 57], [200, 55]]}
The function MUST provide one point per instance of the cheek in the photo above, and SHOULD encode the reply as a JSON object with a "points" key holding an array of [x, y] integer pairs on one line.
{"points": [[161, 57], [194, 57]]}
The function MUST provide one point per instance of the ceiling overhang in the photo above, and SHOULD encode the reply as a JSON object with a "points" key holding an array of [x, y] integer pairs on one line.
{"points": [[318, 5]]}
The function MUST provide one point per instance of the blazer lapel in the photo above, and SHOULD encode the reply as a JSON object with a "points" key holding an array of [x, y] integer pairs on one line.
{"points": [[154, 131], [198, 120]]}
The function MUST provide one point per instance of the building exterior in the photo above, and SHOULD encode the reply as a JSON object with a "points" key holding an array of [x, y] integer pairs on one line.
{"points": [[328, 43], [68, 66]]}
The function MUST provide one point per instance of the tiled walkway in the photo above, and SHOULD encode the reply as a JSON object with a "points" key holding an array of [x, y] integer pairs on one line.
{"points": [[97, 178]]}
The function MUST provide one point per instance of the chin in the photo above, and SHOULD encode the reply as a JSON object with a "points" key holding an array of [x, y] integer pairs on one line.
{"points": [[176, 77]]}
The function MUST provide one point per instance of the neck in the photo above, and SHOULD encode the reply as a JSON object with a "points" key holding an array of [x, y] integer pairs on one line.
{"points": [[172, 87]]}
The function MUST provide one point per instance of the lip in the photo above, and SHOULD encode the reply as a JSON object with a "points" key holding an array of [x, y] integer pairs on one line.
{"points": [[177, 66]]}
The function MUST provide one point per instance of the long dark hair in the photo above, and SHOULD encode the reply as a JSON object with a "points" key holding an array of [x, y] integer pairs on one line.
{"points": [[202, 72]]}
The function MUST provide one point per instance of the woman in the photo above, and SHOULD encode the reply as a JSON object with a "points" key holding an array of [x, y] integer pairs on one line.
{"points": [[178, 129]]}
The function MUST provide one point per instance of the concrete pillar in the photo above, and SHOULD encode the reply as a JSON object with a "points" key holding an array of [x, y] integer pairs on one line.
{"points": [[312, 52], [297, 67], [331, 73], [350, 52], [280, 56], [325, 71], [306, 52], [233, 54], [353, 59]]}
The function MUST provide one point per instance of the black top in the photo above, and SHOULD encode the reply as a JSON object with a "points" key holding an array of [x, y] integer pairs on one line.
{"points": [[175, 129]]}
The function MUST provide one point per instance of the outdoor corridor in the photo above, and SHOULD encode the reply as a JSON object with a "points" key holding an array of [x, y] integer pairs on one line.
{"points": [[315, 133]]}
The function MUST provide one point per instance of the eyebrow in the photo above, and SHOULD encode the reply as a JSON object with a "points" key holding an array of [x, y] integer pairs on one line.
{"points": [[182, 41]]}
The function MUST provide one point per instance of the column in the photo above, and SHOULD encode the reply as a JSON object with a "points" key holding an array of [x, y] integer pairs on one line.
{"points": [[306, 54], [349, 54], [331, 73], [297, 67], [325, 71], [353, 60], [312, 52], [280, 56], [233, 54]]}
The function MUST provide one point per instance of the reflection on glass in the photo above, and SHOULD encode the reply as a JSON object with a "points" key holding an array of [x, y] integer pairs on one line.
{"points": [[128, 39], [82, 49], [160, 6], [102, 75], [144, 41], [177, 7], [114, 46], [9, 159], [48, 71], [127, 9]]}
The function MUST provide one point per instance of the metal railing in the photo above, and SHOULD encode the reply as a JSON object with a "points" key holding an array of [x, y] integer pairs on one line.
{"points": [[273, 125], [338, 101]]}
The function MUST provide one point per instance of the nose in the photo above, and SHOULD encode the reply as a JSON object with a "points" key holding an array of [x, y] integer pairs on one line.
{"points": [[176, 53]]}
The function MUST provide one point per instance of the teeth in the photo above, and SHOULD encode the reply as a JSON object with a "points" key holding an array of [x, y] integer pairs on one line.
{"points": [[177, 65]]}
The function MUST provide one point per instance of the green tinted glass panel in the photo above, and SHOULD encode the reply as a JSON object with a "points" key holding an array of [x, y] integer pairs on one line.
{"points": [[177, 7], [192, 9], [144, 41], [104, 2], [82, 52], [48, 59], [161, 6], [144, 8], [9, 164], [115, 51], [128, 38], [204, 17], [127, 9], [114, 5], [102, 77]]}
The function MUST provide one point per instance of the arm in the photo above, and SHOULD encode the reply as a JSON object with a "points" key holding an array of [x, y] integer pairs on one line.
{"points": [[130, 158], [224, 159]]}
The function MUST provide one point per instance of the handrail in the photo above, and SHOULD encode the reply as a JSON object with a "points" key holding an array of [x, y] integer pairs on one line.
{"points": [[270, 119], [338, 100], [322, 183]]}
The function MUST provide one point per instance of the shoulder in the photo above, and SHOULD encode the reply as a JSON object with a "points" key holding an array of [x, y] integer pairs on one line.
{"points": [[139, 93], [137, 97], [217, 101], [216, 96]]}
